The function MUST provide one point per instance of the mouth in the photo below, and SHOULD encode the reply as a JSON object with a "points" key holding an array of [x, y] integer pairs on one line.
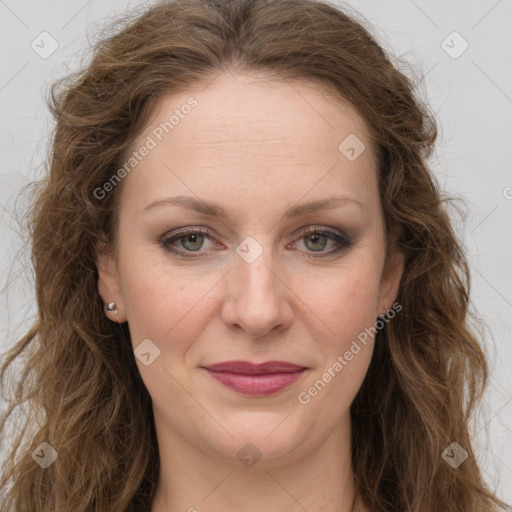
{"points": [[256, 379]]}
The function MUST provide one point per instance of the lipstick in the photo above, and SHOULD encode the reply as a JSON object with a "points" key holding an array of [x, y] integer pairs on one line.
{"points": [[256, 379]]}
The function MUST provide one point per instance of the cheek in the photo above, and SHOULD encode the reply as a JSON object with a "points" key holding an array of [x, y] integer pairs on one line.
{"points": [[170, 310], [344, 301], [344, 308], [159, 304]]}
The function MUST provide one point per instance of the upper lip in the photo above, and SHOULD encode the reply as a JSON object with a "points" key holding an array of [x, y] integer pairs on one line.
{"points": [[248, 368]]}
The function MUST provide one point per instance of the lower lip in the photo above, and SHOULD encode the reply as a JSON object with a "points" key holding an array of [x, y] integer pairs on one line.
{"points": [[261, 385]]}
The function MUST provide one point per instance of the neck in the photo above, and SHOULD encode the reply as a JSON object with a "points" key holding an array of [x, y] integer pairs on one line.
{"points": [[195, 480]]}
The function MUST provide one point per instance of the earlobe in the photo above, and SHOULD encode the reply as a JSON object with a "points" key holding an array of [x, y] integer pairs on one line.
{"points": [[108, 283], [390, 282]]}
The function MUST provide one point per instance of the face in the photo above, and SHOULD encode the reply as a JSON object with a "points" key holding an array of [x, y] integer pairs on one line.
{"points": [[246, 232]]}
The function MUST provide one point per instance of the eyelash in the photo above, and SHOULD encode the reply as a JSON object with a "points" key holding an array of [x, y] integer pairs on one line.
{"points": [[343, 240]]}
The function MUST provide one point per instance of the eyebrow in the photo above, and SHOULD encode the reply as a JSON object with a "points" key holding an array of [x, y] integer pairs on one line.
{"points": [[209, 208]]}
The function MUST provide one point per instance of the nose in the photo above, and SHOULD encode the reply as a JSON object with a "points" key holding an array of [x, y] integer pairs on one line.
{"points": [[257, 297]]}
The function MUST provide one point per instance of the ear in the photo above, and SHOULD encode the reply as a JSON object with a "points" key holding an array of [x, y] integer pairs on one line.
{"points": [[390, 281], [109, 286]]}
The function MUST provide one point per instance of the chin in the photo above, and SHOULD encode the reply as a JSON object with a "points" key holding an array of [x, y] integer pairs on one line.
{"points": [[264, 442]]}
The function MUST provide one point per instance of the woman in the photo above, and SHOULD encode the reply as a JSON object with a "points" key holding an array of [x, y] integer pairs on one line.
{"points": [[250, 294]]}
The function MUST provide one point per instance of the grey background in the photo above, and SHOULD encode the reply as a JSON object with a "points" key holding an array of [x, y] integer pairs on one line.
{"points": [[471, 94]]}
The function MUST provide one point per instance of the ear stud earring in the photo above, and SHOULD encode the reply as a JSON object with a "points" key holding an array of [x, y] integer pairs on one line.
{"points": [[111, 306]]}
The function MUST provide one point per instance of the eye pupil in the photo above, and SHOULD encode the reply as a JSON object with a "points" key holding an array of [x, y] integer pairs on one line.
{"points": [[194, 238], [315, 237]]}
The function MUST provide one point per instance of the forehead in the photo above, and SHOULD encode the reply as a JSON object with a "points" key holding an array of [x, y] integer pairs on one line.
{"points": [[246, 131], [253, 108]]}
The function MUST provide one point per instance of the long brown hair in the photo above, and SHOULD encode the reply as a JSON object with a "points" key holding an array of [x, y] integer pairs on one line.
{"points": [[78, 374]]}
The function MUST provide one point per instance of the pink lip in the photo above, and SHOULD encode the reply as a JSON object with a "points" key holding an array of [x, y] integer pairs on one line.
{"points": [[256, 379], [248, 368]]}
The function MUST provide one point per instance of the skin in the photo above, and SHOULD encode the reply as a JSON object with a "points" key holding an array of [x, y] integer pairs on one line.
{"points": [[256, 147]]}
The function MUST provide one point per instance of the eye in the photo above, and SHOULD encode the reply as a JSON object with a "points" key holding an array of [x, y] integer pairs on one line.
{"points": [[316, 240], [185, 242], [191, 240]]}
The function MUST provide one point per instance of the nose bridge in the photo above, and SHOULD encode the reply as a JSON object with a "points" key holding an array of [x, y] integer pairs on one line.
{"points": [[258, 277], [254, 270]]}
